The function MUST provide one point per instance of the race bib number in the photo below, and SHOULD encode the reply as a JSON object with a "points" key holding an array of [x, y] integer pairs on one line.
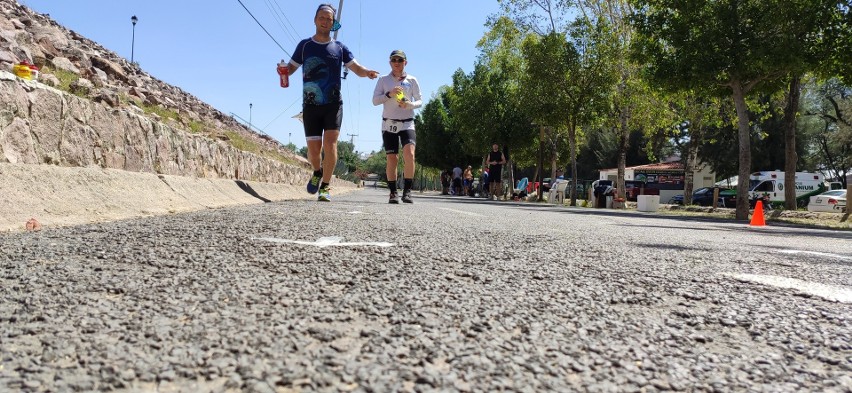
{"points": [[394, 126]]}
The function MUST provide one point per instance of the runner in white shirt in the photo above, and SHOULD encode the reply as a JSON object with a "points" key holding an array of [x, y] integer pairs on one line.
{"points": [[399, 92]]}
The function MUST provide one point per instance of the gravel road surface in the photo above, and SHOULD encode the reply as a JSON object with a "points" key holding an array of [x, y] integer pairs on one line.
{"points": [[447, 294]]}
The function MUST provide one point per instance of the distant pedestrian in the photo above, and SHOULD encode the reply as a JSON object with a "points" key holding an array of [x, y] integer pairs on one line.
{"points": [[483, 183], [496, 159], [446, 180], [399, 94], [457, 181], [322, 106]]}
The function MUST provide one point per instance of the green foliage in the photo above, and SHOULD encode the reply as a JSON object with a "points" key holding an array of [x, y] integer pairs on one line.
{"points": [[546, 60], [347, 156], [196, 126], [827, 109], [240, 142], [66, 78], [375, 163], [162, 112]]}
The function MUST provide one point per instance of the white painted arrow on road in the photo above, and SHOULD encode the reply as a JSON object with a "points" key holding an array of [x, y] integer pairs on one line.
{"points": [[331, 241]]}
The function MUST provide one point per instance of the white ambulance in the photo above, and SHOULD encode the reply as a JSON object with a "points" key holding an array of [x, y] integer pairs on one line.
{"points": [[770, 184]]}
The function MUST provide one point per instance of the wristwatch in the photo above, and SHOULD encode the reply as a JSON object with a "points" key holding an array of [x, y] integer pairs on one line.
{"points": [[387, 94]]}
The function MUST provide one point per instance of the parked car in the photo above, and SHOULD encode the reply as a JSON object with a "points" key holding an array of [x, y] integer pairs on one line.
{"points": [[704, 197], [829, 201]]}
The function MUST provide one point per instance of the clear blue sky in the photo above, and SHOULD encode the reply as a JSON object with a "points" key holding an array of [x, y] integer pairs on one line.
{"points": [[215, 50]]}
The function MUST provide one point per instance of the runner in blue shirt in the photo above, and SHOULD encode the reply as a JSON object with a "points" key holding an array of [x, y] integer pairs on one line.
{"points": [[321, 59]]}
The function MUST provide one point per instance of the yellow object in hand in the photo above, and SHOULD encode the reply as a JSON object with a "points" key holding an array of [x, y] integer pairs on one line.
{"points": [[400, 96]]}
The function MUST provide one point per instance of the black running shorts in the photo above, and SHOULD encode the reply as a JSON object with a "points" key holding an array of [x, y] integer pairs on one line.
{"points": [[319, 118], [393, 140]]}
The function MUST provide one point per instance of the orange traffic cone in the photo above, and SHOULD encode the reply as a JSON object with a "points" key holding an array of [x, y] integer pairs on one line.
{"points": [[757, 217]]}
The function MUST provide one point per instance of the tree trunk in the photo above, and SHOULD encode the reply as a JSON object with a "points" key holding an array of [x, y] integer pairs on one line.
{"points": [[790, 157], [623, 142], [554, 154], [572, 144], [689, 174], [509, 170], [744, 133], [540, 170]]}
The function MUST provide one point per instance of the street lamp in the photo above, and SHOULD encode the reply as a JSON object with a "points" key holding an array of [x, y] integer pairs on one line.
{"points": [[133, 19]]}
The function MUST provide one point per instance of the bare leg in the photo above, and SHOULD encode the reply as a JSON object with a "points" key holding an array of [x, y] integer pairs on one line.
{"points": [[329, 147], [408, 161], [390, 171], [314, 156]]}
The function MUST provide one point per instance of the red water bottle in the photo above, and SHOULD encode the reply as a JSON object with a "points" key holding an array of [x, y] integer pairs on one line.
{"points": [[284, 73]]}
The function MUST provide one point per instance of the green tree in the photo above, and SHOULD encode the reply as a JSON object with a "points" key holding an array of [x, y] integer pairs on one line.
{"points": [[736, 45], [439, 144], [485, 104], [546, 61], [347, 157], [828, 113], [697, 112]]}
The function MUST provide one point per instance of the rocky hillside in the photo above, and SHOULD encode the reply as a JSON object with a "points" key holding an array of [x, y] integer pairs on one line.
{"points": [[111, 108]]}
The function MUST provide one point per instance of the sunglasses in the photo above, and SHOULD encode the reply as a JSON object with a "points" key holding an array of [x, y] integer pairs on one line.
{"points": [[397, 60]]}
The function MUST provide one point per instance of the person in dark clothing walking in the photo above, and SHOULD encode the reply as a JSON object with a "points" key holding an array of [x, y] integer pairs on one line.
{"points": [[496, 159]]}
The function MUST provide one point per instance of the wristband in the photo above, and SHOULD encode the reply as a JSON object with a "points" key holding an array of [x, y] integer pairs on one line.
{"points": [[387, 94]]}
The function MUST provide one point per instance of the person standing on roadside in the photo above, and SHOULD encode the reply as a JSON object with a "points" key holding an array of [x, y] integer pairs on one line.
{"points": [[496, 159], [322, 105], [468, 181], [399, 94]]}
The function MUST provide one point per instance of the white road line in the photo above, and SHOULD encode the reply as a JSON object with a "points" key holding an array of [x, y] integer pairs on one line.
{"points": [[331, 241], [822, 254], [462, 212], [835, 293]]}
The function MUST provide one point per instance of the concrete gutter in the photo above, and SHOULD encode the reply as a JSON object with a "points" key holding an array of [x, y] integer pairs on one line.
{"points": [[62, 196]]}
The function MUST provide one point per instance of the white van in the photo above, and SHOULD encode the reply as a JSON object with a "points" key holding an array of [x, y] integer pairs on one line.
{"points": [[771, 184]]}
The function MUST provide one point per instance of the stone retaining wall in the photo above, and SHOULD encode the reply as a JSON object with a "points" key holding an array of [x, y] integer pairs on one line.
{"points": [[43, 125]]}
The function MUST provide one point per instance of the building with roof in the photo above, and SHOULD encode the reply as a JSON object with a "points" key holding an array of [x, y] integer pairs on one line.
{"points": [[668, 177]]}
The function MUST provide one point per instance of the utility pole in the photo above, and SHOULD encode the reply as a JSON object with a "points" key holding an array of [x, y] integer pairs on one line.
{"points": [[352, 138], [339, 14]]}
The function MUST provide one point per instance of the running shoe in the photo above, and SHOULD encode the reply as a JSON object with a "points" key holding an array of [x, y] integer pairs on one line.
{"points": [[313, 184], [393, 198], [324, 196], [406, 196]]}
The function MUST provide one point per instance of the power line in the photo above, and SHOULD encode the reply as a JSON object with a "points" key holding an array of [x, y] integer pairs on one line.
{"points": [[295, 34], [282, 112], [279, 21], [264, 29]]}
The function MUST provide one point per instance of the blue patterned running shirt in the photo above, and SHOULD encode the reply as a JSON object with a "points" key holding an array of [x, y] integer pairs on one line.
{"points": [[321, 66]]}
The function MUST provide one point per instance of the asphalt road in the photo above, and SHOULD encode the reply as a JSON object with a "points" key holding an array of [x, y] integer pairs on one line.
{"points": [[447, 294]]}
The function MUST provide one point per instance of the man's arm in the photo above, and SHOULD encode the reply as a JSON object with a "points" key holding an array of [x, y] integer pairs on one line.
{"points": [[361, 71]]}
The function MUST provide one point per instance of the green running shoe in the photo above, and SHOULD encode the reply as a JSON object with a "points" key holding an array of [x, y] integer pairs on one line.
{"points": [[324, 196], [313, 184]]}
